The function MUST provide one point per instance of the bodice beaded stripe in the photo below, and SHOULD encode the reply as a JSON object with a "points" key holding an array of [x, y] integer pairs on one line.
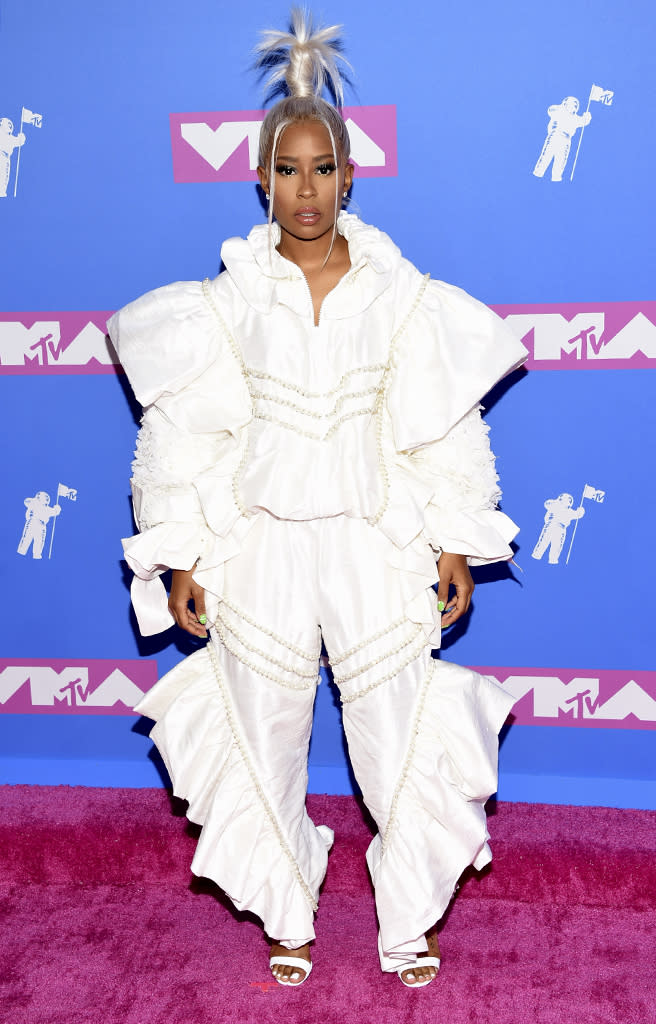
{"points": [[317, 415]]}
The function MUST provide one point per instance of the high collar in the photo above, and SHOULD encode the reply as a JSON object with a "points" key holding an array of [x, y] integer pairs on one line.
{"points": [[265, 278]]}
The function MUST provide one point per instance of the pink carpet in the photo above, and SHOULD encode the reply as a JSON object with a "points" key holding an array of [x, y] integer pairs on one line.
{"points": [[102, 923]]}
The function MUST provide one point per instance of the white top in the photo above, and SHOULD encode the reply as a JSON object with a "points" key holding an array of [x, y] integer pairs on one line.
{"points": [[250, 406]]}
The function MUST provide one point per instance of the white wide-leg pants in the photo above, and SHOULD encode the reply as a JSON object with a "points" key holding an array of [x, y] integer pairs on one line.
{"points": [[234, 722]]}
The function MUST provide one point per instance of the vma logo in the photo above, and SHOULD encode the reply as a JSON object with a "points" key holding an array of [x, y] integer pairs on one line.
{"points": [[568, 697], [222, 145], [572, 336], [58, 687], [51, 343]]}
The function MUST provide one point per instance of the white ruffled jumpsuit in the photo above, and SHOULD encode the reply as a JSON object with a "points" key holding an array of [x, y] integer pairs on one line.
{"points": [[315, 472]]}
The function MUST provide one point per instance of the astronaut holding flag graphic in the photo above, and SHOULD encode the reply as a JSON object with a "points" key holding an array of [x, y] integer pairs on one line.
{"points": [[560, 513], [564, 122], [38, 515], [8, 143]]}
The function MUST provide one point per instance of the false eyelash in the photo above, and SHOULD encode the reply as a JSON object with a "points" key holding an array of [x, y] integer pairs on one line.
{"points": [[284, 168]]}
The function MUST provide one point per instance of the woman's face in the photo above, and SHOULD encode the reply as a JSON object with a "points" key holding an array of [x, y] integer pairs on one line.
{"points": [[306, 181]]}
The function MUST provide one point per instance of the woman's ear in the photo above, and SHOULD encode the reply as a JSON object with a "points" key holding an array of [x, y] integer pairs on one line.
{"points": [[348, 177], [264, 180]]}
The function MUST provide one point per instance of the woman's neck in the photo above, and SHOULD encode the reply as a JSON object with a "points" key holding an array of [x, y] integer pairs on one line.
{"points": [[310, 255]]}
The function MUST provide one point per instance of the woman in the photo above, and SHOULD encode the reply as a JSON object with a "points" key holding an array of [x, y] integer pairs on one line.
{"points": [[311, 444]]}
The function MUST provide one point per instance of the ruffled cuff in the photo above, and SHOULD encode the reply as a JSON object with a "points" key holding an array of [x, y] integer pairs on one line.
{"points": [[483, 536], [149, 554]]}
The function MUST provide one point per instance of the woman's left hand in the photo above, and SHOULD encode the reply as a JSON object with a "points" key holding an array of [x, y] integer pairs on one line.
{"points": [[454, 572]]}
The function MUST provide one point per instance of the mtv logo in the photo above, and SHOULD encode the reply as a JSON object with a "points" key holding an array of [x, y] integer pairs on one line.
{"points": [[606, 699], [223, 145], [611, 335], [66, 342], [554, 338], [61, 687]]}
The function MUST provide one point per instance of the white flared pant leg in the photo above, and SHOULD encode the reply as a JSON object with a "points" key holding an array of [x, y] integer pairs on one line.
{"points": [[422, 736], [381, 661], [266, 642]]}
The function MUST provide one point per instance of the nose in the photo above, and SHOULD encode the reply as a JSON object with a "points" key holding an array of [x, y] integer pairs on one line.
{"points": [[306, 186]]}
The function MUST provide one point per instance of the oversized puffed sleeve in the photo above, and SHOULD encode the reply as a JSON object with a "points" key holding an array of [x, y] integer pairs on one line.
{"points": [[454, 350], [462, 515], [185, 374]]}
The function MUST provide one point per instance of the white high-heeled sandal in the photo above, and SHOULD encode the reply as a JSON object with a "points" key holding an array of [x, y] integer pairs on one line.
{"points": [[291, 961]]}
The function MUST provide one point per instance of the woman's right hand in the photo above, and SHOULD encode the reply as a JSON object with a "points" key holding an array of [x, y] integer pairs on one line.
{"points": [[184, 590]]}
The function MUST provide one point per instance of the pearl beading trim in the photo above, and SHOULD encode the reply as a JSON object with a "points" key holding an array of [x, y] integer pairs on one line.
{"points": [[377, 661], [310, 412], [259, 652], [243, 751], [285, 683], [260, 375], [365, 643], [307, 433], [386, 678], [380, 401], [403, 777], [270, 633], [236, 351]]}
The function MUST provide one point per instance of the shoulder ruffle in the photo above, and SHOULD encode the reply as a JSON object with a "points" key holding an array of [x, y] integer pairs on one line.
{"points": [[454, 350], [177, 357]]}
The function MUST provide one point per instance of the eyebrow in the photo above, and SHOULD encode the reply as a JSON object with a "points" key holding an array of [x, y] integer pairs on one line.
{"points": [[316, 159]]}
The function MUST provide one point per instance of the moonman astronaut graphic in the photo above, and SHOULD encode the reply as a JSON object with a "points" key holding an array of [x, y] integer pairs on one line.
{"points": [[38, 515], [8, 143], [564, 121], [559, 515]]}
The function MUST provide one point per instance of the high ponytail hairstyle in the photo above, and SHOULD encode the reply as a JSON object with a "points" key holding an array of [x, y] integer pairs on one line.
{"points": [[301, 64]]}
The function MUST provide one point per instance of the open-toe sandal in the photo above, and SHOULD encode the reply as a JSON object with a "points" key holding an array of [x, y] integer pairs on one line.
{"points": [[291, 961], [424, 961]]}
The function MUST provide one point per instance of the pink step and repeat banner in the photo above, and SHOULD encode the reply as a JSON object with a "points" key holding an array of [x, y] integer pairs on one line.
{"points": [[533, 198]]}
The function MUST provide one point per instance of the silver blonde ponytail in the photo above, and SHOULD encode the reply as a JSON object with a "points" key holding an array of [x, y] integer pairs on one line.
{"points": [[303, 61]]}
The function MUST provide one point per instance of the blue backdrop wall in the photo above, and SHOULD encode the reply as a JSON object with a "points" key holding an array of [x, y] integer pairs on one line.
{"points": [[465, 116]]}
